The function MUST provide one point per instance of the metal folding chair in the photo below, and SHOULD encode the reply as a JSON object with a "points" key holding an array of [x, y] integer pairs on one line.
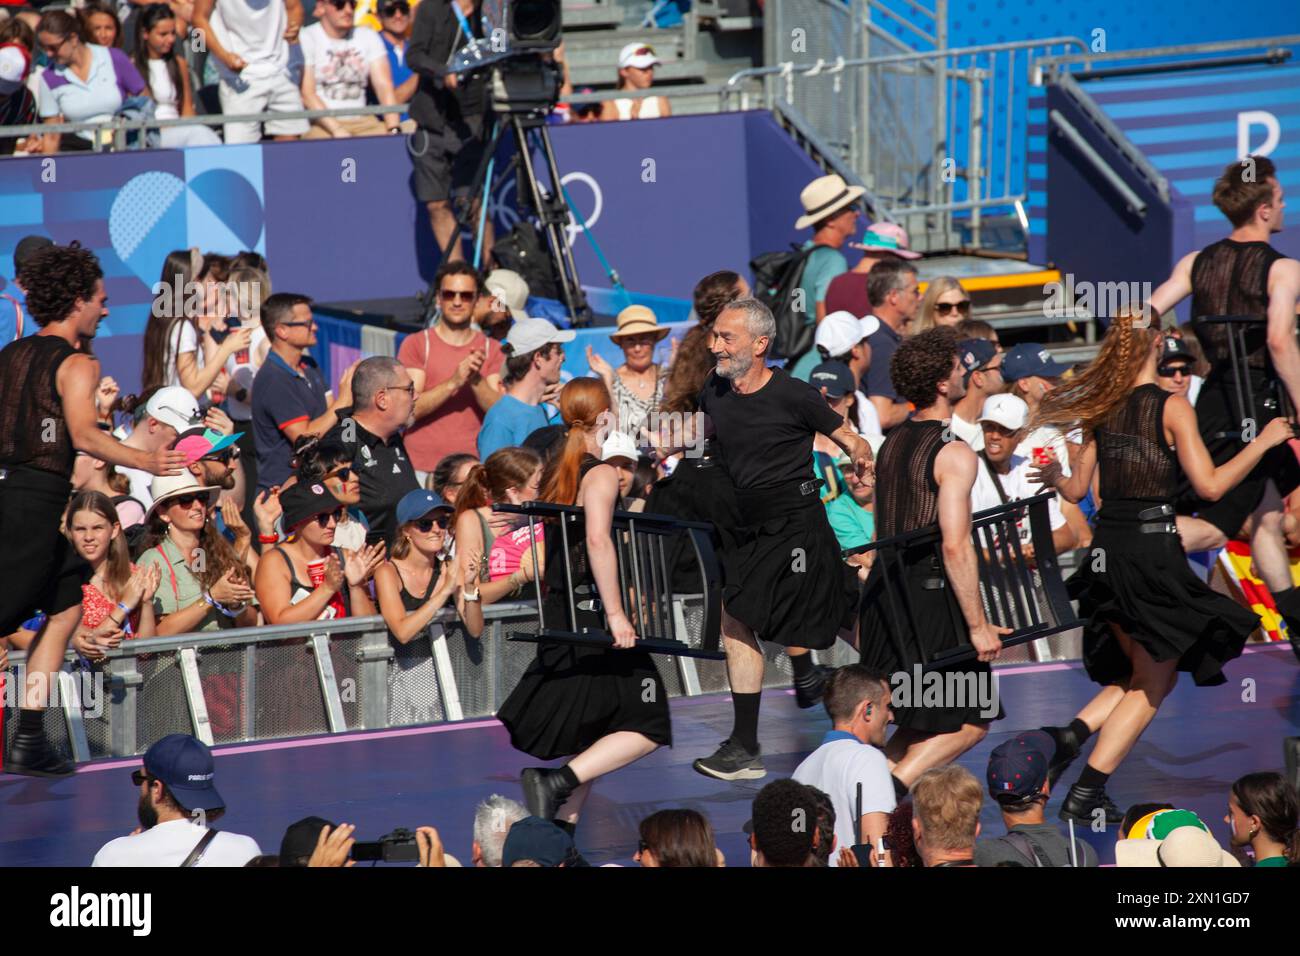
{"points": [[1238, 327], [645, 580], [1031, 600]]}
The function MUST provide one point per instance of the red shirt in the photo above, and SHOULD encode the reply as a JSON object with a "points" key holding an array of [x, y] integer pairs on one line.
{"points": [[848, 292], [454, 426]]}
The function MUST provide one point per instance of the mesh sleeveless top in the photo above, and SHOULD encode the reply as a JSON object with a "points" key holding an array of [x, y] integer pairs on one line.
{"points": [[1134, 459], [30, 408], [907, 496], [1231, 278]]}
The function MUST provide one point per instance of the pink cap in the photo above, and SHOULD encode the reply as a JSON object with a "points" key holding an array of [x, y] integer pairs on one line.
{"points": [[886, 237]]}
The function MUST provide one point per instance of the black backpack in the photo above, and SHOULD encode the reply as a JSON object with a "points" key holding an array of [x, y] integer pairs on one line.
{"points": [[777, 276], [523, 250]]}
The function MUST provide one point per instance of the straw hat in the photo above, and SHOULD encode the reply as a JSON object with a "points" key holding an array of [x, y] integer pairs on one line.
{"points": [[165, 487], [824, 196], [638, 320]]}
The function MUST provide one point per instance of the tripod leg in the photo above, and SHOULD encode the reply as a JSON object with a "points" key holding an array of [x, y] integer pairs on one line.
{"points": [[568, 269]]}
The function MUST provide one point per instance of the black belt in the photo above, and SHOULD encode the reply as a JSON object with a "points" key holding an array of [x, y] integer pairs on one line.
{"points": [[1151, 523]]}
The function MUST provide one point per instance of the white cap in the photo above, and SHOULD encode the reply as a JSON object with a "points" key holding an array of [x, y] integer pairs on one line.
{"points": [[174, 406], [870, 325], [1006, 410], [529, 335], [14, 64], [509, 290], [640, 55], [619, 445], [838, 332]]}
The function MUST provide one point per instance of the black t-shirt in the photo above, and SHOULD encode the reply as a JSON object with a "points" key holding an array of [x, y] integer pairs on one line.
{"points": [[384, 470], [766, 437]]}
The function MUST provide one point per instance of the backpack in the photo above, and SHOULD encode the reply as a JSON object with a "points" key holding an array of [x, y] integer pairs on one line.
{"points": [[777, 276], [1023, 845], [523, 250]]}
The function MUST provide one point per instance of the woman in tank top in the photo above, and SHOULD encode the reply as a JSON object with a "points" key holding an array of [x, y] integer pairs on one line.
{"points": [[493, 553], [167, 77], [636, 71]]}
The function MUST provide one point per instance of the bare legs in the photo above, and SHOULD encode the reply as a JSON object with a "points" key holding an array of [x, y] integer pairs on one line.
{"points": [[911, 753], [1147, 688], [745, 662], [609, 753], [45, 657], [445, 228]]}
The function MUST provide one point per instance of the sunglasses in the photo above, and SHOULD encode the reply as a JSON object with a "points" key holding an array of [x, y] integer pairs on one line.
{"points": [[225, 457], [187, 499], [323, 520], [452, 295], [343, 4], [425, 525], [945, 308], [389, 9], [141, 776], [1173, 371], [343, 474]]}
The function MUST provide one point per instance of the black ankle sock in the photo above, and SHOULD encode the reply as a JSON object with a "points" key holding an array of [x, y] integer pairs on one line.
{"points": [[569, 777], [802, 665], [1092, 777], [1080, 730], [31, 721], [745, 729], [566, 826]]}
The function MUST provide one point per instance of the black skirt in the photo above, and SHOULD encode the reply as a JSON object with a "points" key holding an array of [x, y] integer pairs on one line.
{"points": [[571, 696], [1142, 583], [930, 622], [785, 577]]}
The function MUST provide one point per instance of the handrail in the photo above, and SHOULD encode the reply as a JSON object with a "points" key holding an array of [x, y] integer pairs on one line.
{"points": [[830, 160], [1185, 49], [1133, 201]]}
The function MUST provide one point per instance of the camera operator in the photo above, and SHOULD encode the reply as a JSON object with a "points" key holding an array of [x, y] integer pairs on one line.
{"points": [[451, 112]]}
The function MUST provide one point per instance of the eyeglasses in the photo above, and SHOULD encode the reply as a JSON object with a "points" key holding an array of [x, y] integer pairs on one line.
{"points": [[142, 776], [343, 474], [451, 295], [1173, 371], [945, 308], [54, 50], [324, 520], [408, 388], [425, 525], [187, 499]]}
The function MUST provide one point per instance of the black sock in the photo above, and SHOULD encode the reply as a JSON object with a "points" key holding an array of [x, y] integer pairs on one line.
{"points": [[802, 665], [1092, 777], [1288, 604], [31, 721], [1080, 730], [566, 826], [569, 777], [745, 729]]}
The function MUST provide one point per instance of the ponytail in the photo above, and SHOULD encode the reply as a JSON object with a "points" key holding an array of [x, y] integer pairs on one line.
{"points": [[581, 403], [473, 493]]}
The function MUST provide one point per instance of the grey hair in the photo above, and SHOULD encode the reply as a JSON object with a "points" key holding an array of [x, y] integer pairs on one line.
{"points": [[758, 317], [372, 375], [493, 819]]}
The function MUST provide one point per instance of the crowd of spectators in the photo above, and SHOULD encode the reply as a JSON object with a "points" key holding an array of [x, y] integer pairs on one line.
{"points": [[94, 60]]}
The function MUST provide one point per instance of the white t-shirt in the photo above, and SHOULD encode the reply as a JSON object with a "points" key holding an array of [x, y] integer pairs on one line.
{"points": [[140, 484], [242, 368], [836, 768], [184, 338], [168, 844], [254, 31], [164, 91], [1016, 484], [969, 432], [868, 417], [341, 65]]}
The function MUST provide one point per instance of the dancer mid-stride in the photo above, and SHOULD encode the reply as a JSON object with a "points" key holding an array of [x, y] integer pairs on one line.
{"points": [[1148, 616], [607, 706]]}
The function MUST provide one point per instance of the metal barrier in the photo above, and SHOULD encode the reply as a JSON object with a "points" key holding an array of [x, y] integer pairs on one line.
{"points": [[1029, 599]]}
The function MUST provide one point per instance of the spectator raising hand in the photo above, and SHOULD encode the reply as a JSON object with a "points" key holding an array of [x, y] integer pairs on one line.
{"points": [[334, 847]]}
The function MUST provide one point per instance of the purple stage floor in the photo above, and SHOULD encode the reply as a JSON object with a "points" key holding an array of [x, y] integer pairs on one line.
{"points": [[1202, 740]]}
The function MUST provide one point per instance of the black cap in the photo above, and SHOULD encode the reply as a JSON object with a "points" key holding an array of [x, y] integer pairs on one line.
{"points": [[835, 377], [300, 840], [1176, 350], [541, 841], [304, 500], [27, 247]]}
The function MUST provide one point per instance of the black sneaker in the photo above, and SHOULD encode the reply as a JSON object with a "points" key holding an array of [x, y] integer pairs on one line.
{"points": [[1067, 750], [810, 692], [1081, 804], [731, 761]]}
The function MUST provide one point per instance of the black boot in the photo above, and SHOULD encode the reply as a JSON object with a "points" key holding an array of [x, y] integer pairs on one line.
{"points": [[1288, 605], [31, 754], [809, 691], [545, 790], [1081, 804], [1067, 750]]}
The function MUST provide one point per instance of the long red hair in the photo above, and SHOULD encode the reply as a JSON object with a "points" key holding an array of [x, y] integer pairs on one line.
{"points": [[581, 403]]}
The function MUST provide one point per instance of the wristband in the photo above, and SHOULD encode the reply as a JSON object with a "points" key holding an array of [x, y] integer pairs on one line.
{"points": [[469, 595], [268, 538], [126, 609], [207, 596]]}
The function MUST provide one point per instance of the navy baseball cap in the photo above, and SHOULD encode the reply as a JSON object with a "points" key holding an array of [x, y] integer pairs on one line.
{"points": [[975, 354], [1018, 767], [1031, 359], [1175, 349], [184, 764], [541, 841], [416, 504], [835, 377]]}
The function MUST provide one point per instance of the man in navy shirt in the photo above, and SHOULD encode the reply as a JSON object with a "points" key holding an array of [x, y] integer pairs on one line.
{"points": [[289, 394], [894, 294]]}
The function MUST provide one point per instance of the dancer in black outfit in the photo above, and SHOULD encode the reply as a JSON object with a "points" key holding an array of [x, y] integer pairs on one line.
{"points": [[921, 480], [47, 414], [785, 579], [609, 706], [1148, 616], [1244, 275]]}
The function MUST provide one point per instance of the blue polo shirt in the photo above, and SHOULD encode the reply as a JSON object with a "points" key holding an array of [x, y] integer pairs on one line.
{"points": [[283, 396], [113, 79], [884, 343], [508, 422]]}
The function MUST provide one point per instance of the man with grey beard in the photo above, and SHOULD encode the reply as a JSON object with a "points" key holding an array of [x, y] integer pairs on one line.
{"points": [[785, 580]]}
